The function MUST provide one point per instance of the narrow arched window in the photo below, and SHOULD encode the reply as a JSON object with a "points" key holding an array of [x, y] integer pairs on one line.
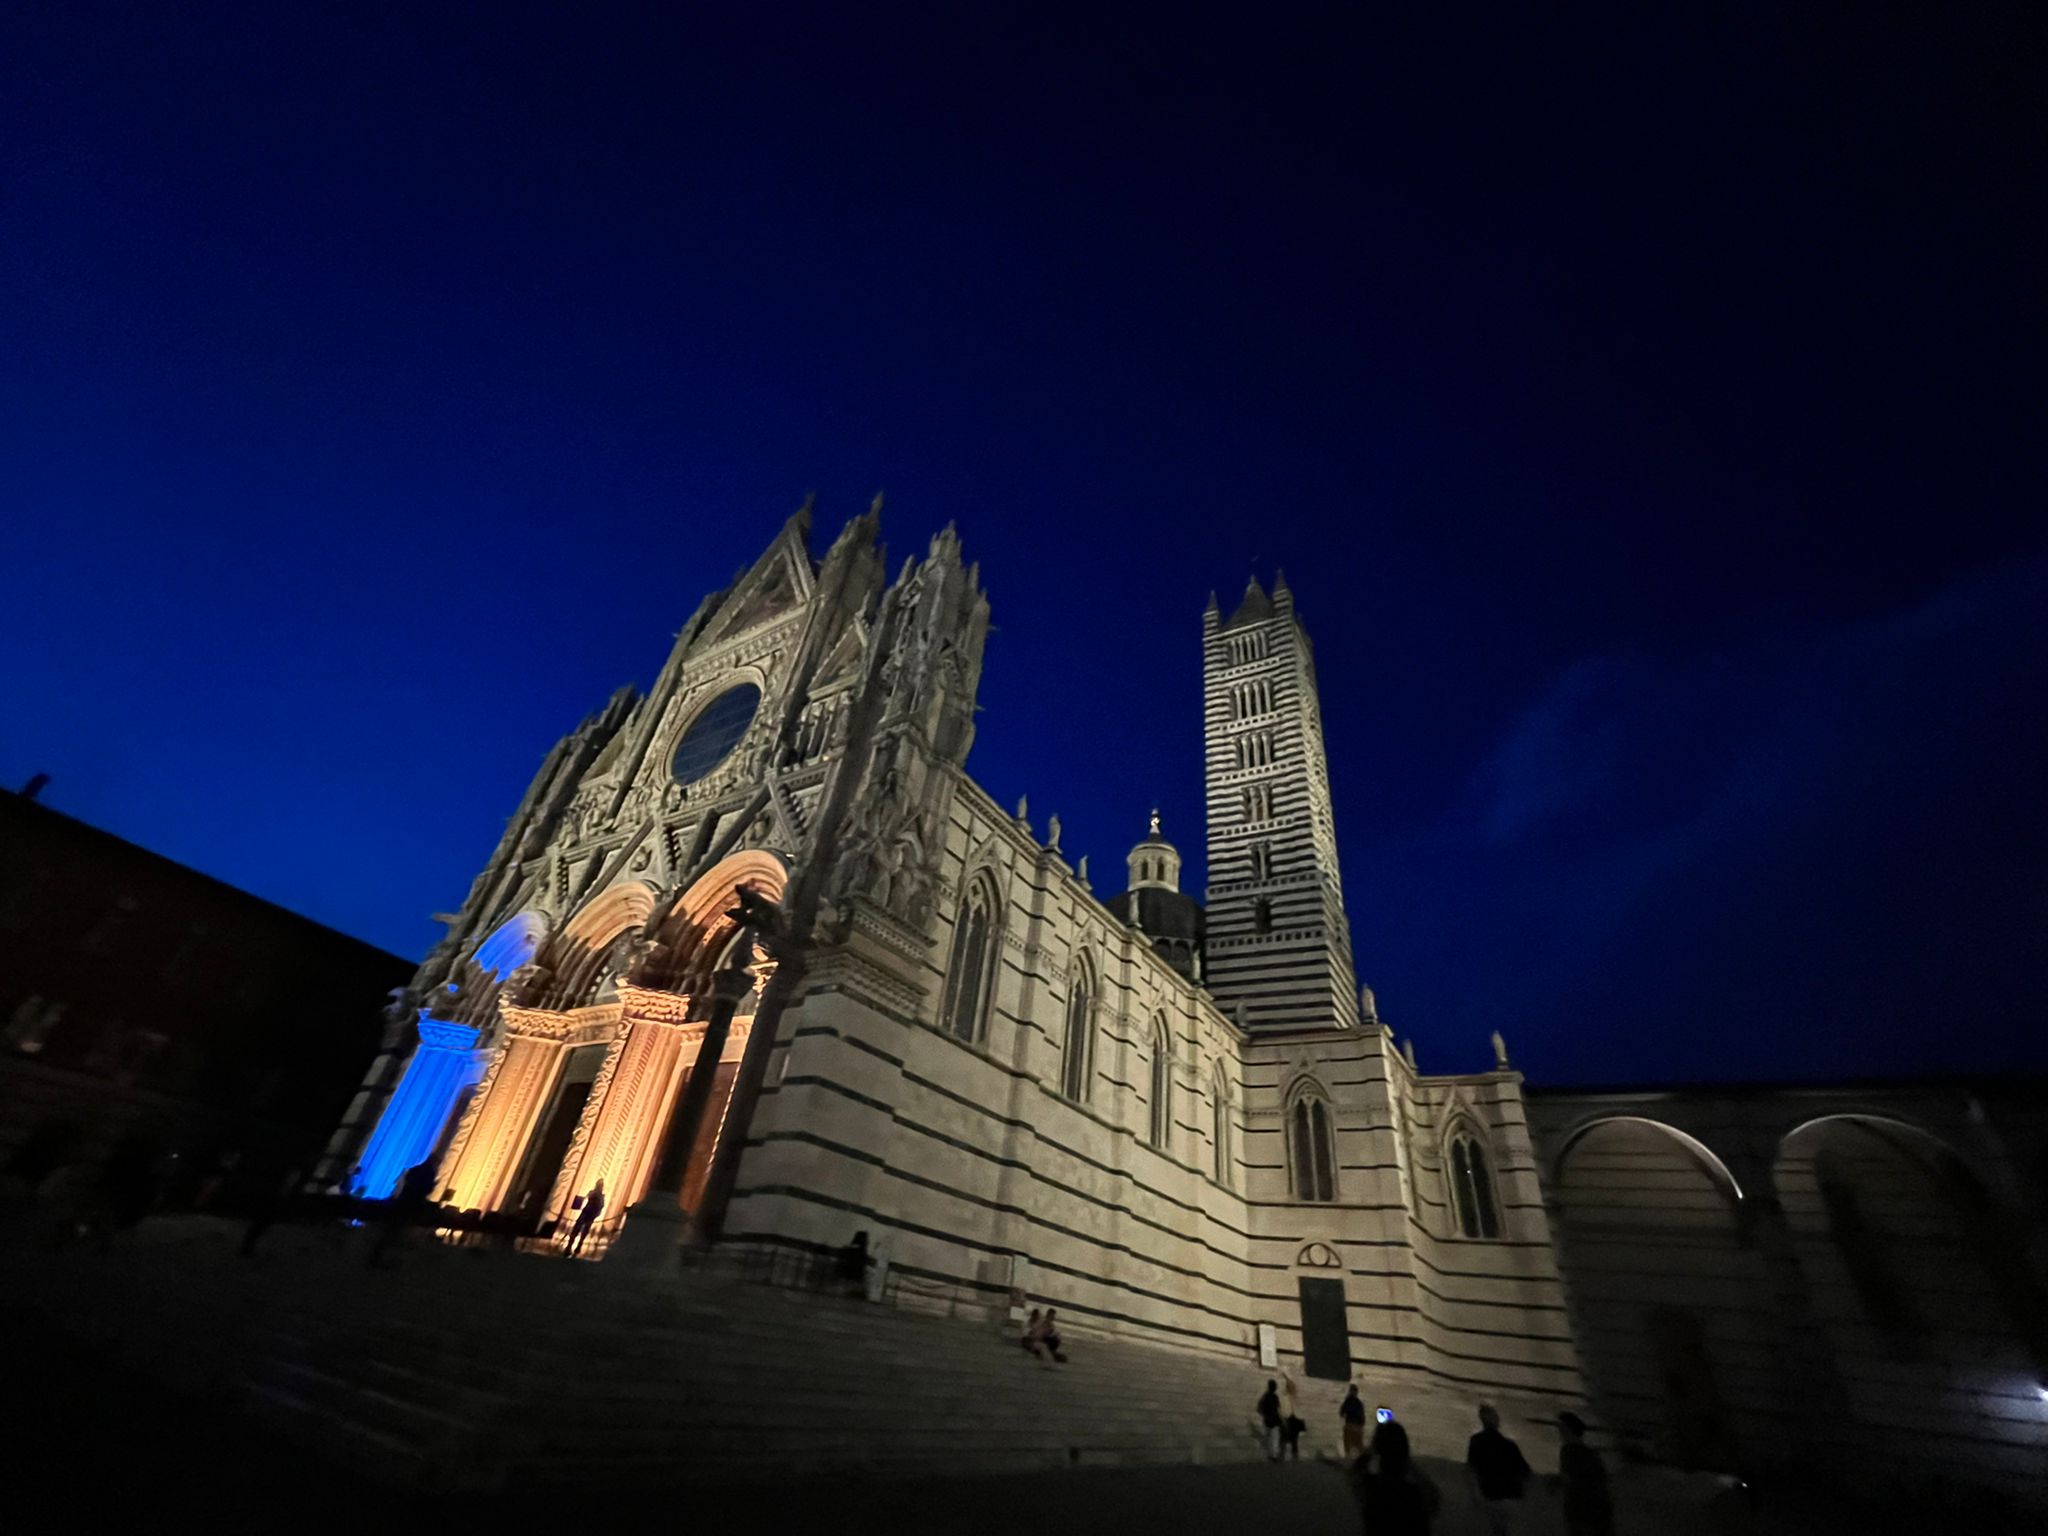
{"points": [[1219, 1130], [1314, 1162], [1078, 1046], [967, 983], [1472, 1200], [1162, 1085]]}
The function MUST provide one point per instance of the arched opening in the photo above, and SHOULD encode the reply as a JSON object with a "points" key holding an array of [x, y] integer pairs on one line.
{"points": [[1078, 1049], [1669, 1303], [1161, 1102], [1474, 1205], [970, 972], [585, 958], [1311, 1149], [571, 1099], [1915, 1278], [631, 1137], [1219, 1127]]}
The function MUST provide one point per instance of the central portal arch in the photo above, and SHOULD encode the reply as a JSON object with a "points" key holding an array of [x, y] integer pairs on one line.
{"points": [[659, 1037]]}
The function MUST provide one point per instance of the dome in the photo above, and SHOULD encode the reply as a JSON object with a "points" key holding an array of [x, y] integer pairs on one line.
{"points": [[1155, 903]]}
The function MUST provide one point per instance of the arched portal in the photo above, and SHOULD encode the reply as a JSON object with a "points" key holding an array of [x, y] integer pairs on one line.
{"points": [[1669, 1302], [521, 1123], [658, 1043]]}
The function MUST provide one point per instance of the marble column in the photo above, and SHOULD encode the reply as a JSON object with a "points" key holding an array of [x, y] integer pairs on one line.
{"points": [[445, 1062]]}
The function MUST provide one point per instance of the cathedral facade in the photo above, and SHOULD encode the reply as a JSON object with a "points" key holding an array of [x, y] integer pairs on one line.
{"points": [[757, 957]]}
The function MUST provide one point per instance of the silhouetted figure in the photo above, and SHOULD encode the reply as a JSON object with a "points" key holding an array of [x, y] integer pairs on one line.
{"points": [[586, 1218], [1269, 1419], [1352, 1414], [1588, 1506], [853, 1264], [1043, 1335], [1499, 1472], [1394, 1498], [1291, 1423], [1029, 1338], [404, 1208]]}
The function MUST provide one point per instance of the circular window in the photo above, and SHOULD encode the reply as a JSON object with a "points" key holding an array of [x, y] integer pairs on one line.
{"points": [[715, 732]]}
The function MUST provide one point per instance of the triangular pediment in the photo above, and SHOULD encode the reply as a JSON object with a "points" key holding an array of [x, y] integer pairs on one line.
{"points": [[780, 581]]}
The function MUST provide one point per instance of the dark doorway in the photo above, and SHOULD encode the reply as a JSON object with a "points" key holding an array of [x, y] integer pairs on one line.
{"points": [[1325, 1330], [551, 1137], [1695, 1422]]}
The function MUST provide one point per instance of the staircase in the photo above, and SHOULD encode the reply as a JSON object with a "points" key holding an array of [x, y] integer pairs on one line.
{"points": [[459, 1368]]}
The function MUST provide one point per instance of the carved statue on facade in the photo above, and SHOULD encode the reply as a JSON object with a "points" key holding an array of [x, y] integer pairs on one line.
{"points": [[525, 987]]}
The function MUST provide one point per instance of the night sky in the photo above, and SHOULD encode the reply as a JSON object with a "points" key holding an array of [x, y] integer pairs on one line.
{"points": [[1647, 412]]}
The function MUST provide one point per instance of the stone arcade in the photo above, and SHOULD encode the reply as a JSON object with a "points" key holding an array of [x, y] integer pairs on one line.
{"points": [[1177, 1123]]}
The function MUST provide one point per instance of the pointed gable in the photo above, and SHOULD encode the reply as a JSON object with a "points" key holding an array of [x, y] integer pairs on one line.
{"points": [[782, 579]]}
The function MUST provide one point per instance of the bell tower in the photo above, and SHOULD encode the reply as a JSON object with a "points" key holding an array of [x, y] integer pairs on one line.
{"points": [[1278, 952]]}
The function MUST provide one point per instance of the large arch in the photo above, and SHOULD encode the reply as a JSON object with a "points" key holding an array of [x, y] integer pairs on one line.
{"points": [[1670, 1303], [1920, 1287], [648, 1070], [694, 937], [579, 961], [1709, 1161]]}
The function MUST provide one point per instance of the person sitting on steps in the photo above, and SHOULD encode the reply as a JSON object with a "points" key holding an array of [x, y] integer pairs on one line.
{"points": [[1042, 1336]]}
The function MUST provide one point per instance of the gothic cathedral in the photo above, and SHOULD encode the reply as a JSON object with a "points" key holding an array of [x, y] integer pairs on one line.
{"points": [[756, 957]]}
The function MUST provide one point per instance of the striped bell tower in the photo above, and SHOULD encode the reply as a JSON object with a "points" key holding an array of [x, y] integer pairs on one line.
{"points": [[1278, 953]]}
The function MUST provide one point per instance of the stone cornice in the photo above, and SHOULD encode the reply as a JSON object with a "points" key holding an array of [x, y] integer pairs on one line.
{"points": [[652, 1006], [441, 1035], [576, 1026]]}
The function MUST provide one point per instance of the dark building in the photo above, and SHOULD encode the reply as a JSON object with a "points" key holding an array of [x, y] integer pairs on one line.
{"points": [[146, 1004]]}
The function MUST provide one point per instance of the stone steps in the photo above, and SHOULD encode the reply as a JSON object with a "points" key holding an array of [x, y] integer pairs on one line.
{"points": [[461, 1369]]}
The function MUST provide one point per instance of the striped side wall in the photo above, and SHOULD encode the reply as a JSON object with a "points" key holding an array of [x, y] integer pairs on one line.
{"points": [[965, 1153]]}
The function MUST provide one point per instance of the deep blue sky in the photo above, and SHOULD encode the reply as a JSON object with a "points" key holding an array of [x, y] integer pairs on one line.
{"points": [[1648, 414]]}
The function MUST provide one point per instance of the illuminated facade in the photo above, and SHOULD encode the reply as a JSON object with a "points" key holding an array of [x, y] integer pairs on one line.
{"points": [[1007, 1080]]}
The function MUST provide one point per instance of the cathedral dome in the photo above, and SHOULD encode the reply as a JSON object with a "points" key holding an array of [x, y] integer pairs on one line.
{"points": [[1155, 903]]}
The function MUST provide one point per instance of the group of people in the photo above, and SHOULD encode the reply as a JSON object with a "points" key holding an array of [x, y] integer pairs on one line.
{"points": [[1397, 1498]]}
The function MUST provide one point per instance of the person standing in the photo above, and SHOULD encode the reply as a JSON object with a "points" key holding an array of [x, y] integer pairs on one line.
{"points": [[1499, 1472], [1588, 1506], [1269, 1419], [1352, 1413], [407, 1206], [1393, 1496], [593, 1207]]}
